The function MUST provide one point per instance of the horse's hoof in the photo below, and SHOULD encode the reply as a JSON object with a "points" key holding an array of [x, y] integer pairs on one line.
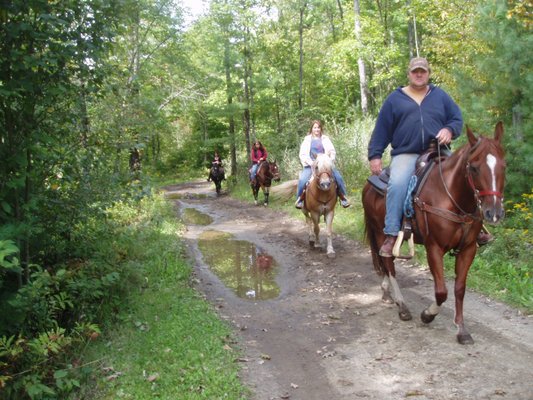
{"points": [[387, 299], [465, 338], [405, 315], [331, 255], [427, 317]]}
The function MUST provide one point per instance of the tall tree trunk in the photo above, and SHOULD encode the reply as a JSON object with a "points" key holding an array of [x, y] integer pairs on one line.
{"points": [[247, 101], [278, 108], [331, 18], [340, 10], [229, 90], [518, 123], [411, 31], [363, 85], [301, 70], [251, 85]]}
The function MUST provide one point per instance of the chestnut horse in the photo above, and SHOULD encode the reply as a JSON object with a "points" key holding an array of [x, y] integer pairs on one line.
{"points": [[267, 171], [459, 193], [320, 199]]}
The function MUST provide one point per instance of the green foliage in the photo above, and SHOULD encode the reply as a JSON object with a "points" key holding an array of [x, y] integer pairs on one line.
{"points": [[499, 86], [41, 357], [8, 261], [50, 318], [168, 342]]}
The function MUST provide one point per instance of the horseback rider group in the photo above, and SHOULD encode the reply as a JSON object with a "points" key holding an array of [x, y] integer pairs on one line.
{"points": [[410, 117]]}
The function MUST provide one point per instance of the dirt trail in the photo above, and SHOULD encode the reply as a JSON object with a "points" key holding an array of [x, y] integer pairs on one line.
{"points": [[329, 336]]}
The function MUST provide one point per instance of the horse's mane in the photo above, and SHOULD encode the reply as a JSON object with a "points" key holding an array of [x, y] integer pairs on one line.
{"points": [[323, 163], [462, 153]]}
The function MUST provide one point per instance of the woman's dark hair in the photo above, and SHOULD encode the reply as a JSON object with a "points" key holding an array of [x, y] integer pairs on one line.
{"points": [[260, 144]]}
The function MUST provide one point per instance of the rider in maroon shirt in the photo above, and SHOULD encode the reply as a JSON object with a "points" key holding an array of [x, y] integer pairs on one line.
{"points": [[257, 155]]}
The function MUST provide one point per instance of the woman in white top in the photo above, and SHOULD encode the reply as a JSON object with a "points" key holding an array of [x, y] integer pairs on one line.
{"points": [[315, 143]]}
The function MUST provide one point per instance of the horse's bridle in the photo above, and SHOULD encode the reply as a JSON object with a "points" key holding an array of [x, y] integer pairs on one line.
{"points": [[477, 193], [480, 193]]}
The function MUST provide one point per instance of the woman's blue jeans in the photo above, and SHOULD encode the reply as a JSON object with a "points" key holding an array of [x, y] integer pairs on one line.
{"points": [[253, 171], [402, 167], [306, 173]]}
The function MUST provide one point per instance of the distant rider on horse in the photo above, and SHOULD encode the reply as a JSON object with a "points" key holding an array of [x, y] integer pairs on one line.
{"points": [[258, 154], [217, 161]]}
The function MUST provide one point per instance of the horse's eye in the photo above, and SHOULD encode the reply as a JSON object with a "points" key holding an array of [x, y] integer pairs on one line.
{"points": [[474, 170]]}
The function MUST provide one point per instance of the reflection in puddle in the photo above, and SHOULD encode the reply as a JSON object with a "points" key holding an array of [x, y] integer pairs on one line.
{"points": [[240, 265], [192, 216]]}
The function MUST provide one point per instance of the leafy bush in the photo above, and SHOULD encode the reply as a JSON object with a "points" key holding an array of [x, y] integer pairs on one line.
{"points": [[47, 322]]}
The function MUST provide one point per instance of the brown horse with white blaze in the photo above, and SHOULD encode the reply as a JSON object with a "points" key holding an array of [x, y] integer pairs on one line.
{"points": [[458, 194]]}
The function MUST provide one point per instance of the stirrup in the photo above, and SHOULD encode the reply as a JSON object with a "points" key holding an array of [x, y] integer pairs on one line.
{"points": [[396, 249]]}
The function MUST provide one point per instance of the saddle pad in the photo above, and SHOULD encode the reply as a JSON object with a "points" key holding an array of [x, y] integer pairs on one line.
{"points": [[378, 184]]}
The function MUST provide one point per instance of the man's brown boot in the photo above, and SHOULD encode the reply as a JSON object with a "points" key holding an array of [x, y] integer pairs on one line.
{"points": [[386, 247]]}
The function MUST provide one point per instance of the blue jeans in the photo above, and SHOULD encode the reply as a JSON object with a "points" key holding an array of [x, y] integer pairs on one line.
{"points": [[306, 173], [253, 171], [402, 167]]}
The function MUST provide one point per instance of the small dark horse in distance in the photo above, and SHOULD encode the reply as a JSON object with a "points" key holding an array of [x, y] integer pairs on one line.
{"points": [[457, 195], [267, 171], [216, 174]]}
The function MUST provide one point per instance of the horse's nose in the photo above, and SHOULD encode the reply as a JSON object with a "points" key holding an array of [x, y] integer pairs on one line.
{"points": [[325, 185], [494, 215]]}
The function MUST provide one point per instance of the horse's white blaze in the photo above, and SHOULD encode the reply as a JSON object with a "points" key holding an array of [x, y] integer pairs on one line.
{"points": [[491, 162]]}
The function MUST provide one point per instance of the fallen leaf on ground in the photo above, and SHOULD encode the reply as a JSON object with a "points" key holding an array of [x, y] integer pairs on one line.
{"points": [[414, 393]]}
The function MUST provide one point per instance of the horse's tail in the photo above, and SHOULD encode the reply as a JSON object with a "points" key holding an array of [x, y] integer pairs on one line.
{"points": [[285, 191], [370, 238]]}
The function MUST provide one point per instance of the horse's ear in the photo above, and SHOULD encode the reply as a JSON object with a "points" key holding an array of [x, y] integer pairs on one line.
{"points": [[471, 137], [498, 132]]}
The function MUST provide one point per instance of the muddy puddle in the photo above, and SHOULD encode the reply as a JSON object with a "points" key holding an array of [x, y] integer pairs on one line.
{"points": [[242, 266], [191, 216], [185, 195]]}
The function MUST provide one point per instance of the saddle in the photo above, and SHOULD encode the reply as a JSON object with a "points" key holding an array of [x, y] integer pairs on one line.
{"points": [[425, 162]]}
